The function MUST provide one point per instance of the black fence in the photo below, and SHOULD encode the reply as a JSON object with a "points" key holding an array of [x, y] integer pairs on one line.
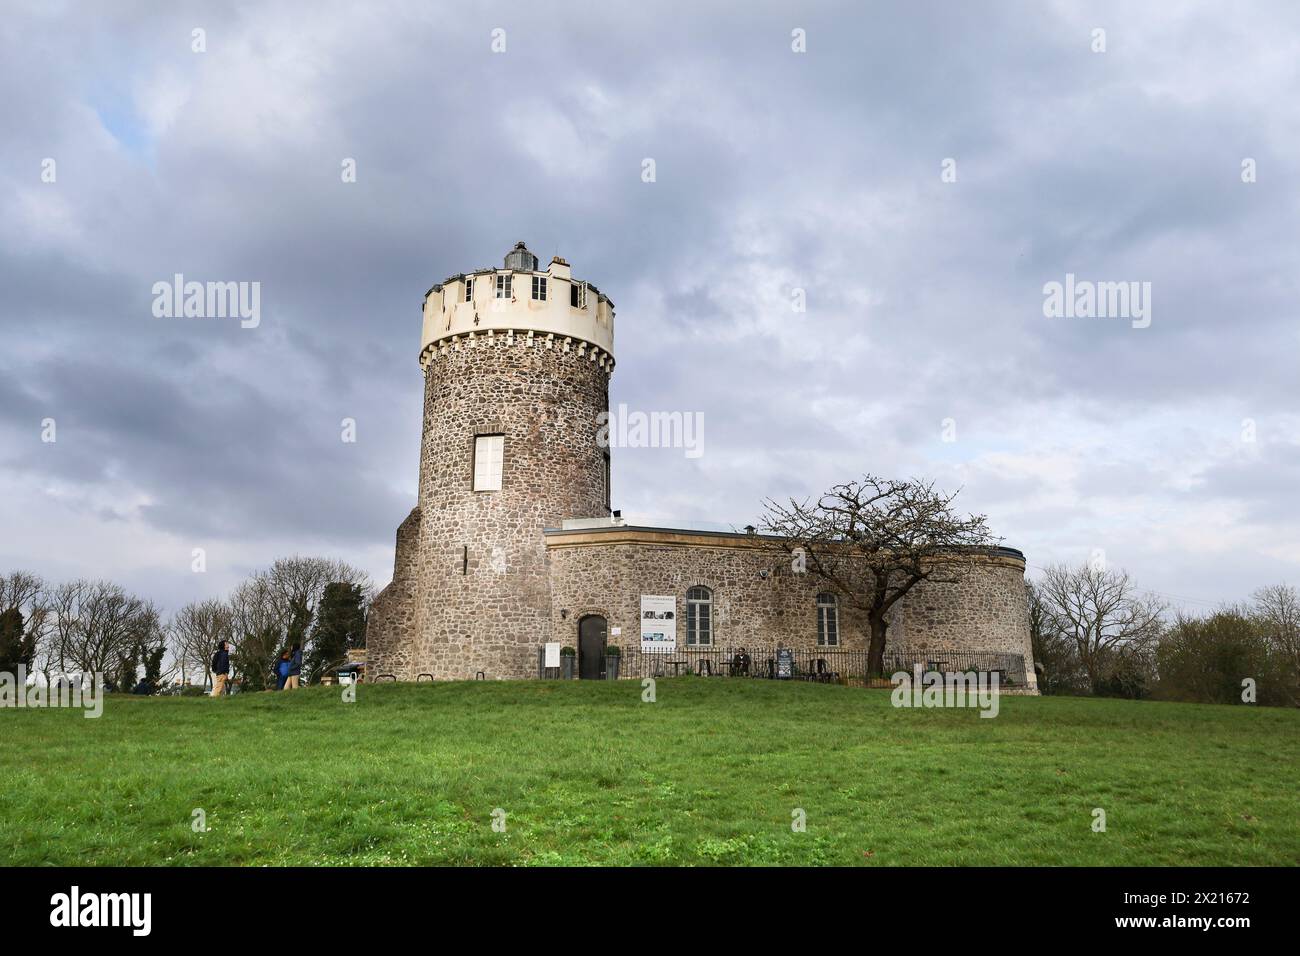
{"points": [[828, 664]]}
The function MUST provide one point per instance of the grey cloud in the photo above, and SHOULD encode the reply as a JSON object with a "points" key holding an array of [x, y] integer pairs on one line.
{"points": [[819, 169]]}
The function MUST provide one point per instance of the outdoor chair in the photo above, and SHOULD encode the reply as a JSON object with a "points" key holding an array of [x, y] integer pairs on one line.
{"points": [[824, 674], [704, 666]]}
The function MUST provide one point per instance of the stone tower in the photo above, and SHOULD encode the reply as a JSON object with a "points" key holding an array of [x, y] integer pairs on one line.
{"points": [[516, 374]]}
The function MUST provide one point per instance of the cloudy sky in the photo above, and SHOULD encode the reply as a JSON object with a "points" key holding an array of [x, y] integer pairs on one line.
{"points": [[1174, 448]]}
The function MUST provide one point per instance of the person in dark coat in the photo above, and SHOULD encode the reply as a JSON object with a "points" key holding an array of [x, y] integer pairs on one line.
{"points": [[220, 668], [282, 671]]}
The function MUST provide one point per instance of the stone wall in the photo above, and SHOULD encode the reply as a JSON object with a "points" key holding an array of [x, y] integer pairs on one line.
{"points": [[757, 602], [390, 627], [985, 612]]}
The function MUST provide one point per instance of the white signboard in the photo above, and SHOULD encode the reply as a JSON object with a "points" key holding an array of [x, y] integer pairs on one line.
{"points": [[552, 654], [658, 623]]}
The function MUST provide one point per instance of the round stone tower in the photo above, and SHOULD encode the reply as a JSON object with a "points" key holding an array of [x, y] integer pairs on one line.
{"points": [[516, 364]]}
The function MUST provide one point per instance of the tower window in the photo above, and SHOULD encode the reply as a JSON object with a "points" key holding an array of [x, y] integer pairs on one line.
{"points": [[828, 620], [504, 285], [469, 288], [699, 617], [489, 452], [539, 288], [578, 295]]}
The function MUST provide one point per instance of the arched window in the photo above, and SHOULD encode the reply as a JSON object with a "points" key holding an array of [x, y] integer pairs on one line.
{"points": [[699, 616], [828, 620]]}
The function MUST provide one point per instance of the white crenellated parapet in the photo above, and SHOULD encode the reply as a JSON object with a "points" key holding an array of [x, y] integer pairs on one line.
{"points": [[523, 338], [520, 304]]}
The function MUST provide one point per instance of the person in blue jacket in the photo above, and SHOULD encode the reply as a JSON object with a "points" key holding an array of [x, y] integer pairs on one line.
{"points": [[282, 671]]}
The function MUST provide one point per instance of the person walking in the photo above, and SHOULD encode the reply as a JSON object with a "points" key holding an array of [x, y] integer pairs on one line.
{"points": [[295, 667], [220, 668]]}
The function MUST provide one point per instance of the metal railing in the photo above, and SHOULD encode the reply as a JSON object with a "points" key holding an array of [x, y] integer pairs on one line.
{"points": [[828, 664]]}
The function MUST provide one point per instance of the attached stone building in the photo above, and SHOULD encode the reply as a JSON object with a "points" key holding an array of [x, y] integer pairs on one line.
{"points": [[513, 544]]}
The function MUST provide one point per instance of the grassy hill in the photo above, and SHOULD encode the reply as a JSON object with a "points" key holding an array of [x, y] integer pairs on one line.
{"points": [[588, 774]]}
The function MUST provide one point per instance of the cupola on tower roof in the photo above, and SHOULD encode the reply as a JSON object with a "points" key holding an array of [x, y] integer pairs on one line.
{"points": [[520, 259]]}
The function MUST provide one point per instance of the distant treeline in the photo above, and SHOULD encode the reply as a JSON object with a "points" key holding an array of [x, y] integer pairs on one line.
{"points": [[97, 627], [1095, 632]]}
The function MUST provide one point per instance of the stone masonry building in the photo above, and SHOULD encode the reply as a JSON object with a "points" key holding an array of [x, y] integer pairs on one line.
{"points": [[512, 543]]}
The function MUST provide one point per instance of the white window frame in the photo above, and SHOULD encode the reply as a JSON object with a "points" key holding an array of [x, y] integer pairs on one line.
{"points": [[693, 633], [581, 295], [505, 285], [828, 620], [489, 461], [539, 286]]}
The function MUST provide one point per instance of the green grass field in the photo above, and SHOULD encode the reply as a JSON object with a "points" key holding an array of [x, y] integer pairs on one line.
{"points": [[588, 774]]}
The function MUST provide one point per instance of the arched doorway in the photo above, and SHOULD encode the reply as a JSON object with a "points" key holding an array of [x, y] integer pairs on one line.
{"points": [[591, 647]]}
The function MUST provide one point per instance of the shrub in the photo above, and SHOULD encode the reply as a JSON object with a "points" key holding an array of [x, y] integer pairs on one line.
{"points": [[1207, 659], [1127, 672]]}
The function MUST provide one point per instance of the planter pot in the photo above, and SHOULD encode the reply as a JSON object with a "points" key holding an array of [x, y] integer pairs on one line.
{"points": [[611, 667], [566, 667]]}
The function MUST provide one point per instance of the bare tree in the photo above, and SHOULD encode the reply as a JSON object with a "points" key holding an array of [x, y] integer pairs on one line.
{"points": [[20, 590], [25, 594], [1100, 612], [872, 541], [98, 627], [193, 634], [257, 627], [1278, 608], [1054, 653], [301, 580], [274, 608]]}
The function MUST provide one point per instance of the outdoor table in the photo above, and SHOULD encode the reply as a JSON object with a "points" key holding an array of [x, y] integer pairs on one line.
{"points": [[677, 666]]}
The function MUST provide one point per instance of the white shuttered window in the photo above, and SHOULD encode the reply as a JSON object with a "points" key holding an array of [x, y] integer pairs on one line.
{"points": [[488, 453]]}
